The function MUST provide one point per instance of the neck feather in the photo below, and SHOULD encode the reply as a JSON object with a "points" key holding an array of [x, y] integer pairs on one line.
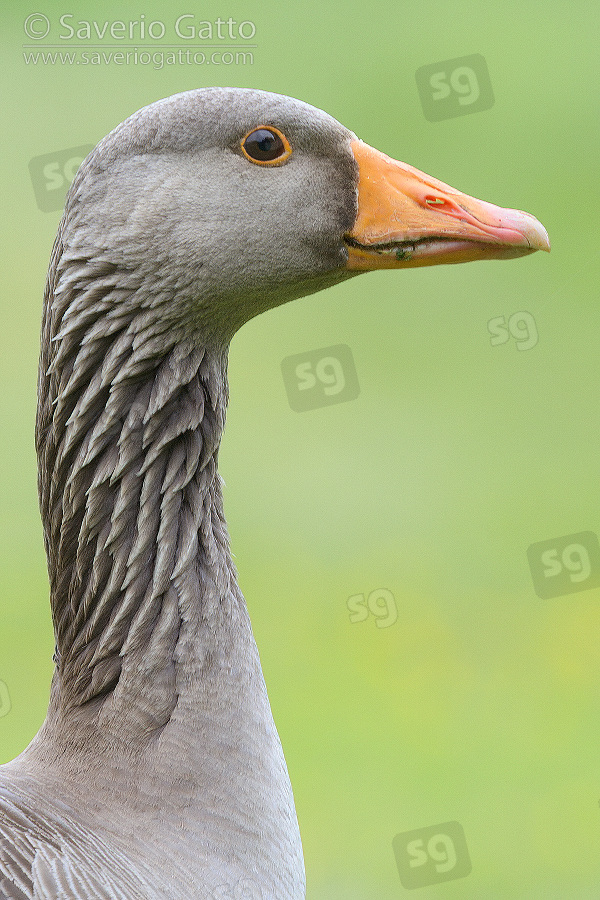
{"points": [[130, 417]]}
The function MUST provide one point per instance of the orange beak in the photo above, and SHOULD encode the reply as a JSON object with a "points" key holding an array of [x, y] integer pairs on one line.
{"points": [[406, 218]]}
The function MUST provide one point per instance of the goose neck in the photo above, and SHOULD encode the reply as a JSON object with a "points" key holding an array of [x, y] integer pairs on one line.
{"points": [[143, 589]]}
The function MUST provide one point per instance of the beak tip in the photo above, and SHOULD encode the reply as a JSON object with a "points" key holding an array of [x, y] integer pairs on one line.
{"points": [[535, 233]]}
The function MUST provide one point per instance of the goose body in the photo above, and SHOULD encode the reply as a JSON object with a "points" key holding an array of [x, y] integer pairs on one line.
{"points": [[158, 772]]}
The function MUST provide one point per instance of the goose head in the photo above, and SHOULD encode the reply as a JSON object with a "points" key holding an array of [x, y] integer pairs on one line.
{"points": [[227, 202]]}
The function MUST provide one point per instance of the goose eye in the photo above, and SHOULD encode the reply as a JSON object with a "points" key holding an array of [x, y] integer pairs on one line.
{"points": [[266, 146]]}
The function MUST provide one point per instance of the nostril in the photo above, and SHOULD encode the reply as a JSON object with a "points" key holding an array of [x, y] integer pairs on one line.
{"points": [[436, 201]]}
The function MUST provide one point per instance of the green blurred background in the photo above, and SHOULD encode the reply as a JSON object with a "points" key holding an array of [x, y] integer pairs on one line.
{"points": [[481, 703]]}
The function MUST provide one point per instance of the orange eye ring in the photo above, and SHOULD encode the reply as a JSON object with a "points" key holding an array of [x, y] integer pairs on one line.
{"points": [[265, 145]]}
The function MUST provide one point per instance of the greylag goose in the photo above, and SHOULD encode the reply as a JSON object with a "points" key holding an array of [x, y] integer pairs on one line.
{"points": [[158, 772]]}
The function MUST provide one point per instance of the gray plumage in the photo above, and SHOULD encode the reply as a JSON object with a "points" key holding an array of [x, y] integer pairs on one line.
{"points": [[158, 772]]}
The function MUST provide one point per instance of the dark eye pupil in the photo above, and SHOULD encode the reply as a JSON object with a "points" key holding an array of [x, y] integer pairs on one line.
{"points": [[264, 145]]}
